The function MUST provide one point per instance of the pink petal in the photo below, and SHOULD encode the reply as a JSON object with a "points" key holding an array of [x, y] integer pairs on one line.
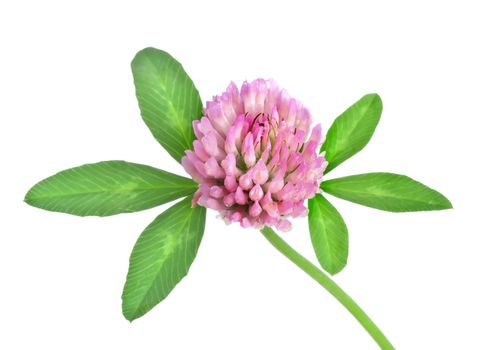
{"points": [[230, 183], [200, 151], [285, 207], [233, 138], [229, 200], [190, 169], [248, 151], [299, 210], [212, 169], [229, 164], [284, 225], [256, 193], [246, 181], [245, 223], [240, 197], [260, 173], [210, 144], [236, 216], [255, 209], [217, 191]]}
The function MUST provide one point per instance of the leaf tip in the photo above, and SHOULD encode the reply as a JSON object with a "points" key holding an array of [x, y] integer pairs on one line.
{"points": [[29, 197], [127, 314], [447, 203], [148, 52], [129, 318], [335, 271], [377, 102], [374, 97], [26, 199], [442, 202]]}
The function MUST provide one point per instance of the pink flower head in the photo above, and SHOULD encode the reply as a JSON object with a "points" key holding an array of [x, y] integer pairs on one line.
{"points": [[253, 159]]}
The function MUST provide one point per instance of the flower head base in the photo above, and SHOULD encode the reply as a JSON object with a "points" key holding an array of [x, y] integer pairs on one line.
{"points": [[253, 158]]}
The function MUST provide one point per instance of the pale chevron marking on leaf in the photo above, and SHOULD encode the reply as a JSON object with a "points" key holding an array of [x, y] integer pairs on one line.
{"points": [[162, 257], [108, 188]]}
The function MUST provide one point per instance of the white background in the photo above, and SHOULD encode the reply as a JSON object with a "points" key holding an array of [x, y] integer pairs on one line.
{"points": [[67, 98]]}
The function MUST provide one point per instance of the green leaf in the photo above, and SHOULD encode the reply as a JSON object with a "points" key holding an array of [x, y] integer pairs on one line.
{"points": [[162, 257], [386, 191], [168, 99], [329, 234], [108, 188], [352, 130]]}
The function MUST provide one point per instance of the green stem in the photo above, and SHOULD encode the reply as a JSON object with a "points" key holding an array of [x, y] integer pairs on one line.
{"points": [[324, 280]]}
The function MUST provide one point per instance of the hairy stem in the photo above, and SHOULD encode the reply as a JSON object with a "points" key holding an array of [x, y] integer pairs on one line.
{"points": [[328, 284]]}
